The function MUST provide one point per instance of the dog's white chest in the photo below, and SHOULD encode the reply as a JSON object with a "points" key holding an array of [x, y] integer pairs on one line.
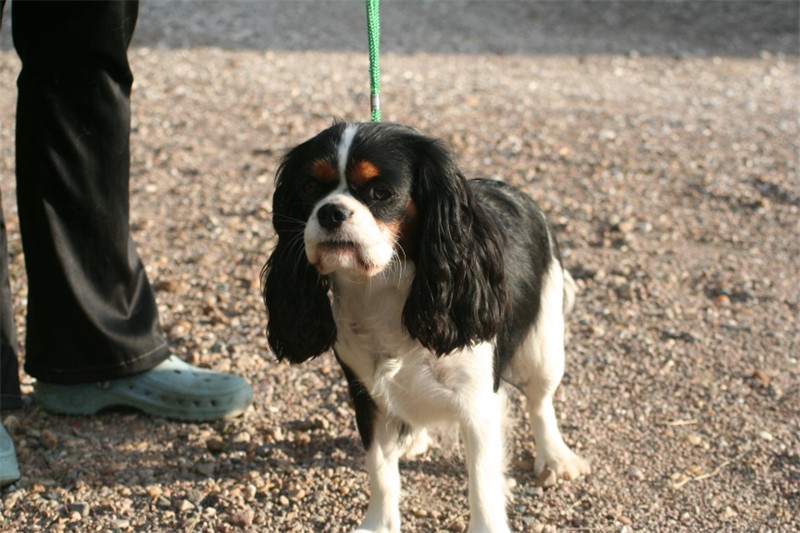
{"points": [[404, 378]]}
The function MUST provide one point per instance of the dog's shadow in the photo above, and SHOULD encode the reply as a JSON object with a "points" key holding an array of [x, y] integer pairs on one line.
{"points": [[322, 451]]}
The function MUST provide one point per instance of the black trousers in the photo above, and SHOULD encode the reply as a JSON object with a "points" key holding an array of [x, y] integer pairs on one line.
{"points": [[91, 312]]}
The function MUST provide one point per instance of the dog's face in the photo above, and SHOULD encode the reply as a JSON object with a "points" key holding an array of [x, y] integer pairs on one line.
{"points": [[358, 195], [356, 199]]}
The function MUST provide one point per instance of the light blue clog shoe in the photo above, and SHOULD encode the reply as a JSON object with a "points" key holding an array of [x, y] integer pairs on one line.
{"points": [[9, 469], [174, 389]]}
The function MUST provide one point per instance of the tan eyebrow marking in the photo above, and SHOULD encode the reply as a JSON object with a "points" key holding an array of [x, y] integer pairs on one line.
{"points": [[323, 171], [363, 171]]}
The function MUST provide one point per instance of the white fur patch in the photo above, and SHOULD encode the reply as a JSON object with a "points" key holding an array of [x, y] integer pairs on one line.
{"points": [[345, 143]]}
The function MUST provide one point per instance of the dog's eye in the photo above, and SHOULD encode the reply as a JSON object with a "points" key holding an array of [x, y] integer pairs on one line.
{"points": [[380, 194], [310, 188]]}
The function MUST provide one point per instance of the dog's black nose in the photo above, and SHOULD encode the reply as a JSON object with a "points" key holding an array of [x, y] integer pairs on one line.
{"points": [[331, 216]]}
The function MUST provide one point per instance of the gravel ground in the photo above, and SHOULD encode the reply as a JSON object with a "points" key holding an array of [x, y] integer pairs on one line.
{"points": [[660, 137]]}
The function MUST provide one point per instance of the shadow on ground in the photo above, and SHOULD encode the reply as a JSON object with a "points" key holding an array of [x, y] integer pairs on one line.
{"points": [[676, 28]]}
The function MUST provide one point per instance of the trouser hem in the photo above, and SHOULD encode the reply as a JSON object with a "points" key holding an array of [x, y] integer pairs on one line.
{"points": [[75, 376]]}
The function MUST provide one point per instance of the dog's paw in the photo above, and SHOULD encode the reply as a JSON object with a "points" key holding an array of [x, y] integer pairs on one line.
{"points": [[378, 526], [493, 528], [563, 465]]}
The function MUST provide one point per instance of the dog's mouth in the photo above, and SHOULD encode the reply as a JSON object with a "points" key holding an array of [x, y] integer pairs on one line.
{"points": [[337, 247], [336, 255]]}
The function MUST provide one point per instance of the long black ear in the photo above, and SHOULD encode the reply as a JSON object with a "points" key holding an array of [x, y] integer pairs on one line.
{"points": [[458, 294], [300, 324]]}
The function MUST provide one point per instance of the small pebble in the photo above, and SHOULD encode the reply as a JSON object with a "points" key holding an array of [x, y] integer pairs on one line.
{"points": [[694, 439], [48, 439], [547, 478], [195, 496], [635, 473], [81, 508], [296, 495], [537, 527], [242, 437], [185, 506], [206, 469], [163, 503], [458, 526], [215, 444], [729, 513], [242, 518]]}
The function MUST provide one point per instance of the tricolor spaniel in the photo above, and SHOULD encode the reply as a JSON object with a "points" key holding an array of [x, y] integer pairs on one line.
{"points": [[432, 291]]}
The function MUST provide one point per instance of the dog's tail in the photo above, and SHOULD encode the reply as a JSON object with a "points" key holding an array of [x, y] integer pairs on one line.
{"points": [[570, 292]]}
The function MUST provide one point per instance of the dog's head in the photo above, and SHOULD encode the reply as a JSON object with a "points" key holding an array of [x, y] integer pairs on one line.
{"points": [[359, 198]]}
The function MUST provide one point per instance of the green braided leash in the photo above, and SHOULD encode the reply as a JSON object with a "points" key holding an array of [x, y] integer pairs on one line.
{"points": [[374, 36]]}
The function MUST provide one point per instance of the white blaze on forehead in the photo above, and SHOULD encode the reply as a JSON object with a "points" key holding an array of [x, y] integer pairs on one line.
{"points": [[345, 143]]}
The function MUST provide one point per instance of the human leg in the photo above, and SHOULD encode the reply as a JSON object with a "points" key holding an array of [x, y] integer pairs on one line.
{"points": [[93, 337], [10, 397], [9, 372], [91, 311]]}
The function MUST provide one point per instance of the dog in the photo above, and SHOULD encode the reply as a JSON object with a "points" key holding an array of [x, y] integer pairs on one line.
{"points": [[432, 290]]}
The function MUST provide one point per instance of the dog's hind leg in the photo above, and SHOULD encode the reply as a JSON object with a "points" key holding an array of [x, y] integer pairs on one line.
{"points": [[539, 368]]}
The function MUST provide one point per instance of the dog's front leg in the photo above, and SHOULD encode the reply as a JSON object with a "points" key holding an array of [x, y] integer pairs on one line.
{"points": [[485, 456], [383, 453]]}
